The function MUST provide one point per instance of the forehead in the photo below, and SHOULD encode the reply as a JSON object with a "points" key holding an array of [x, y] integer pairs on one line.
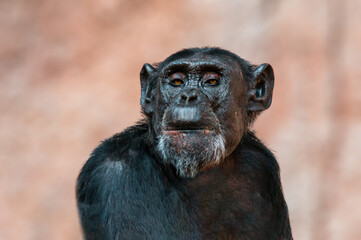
{"points": [[203, 62]]}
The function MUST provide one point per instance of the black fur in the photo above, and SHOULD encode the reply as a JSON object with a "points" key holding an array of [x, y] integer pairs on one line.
{"points": [[125, 191]]}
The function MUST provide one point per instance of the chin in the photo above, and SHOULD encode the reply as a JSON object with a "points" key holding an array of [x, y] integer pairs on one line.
{"points": [[191, 151]]}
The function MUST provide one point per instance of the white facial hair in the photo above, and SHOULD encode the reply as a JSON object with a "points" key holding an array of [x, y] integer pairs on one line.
{"points": [[189, 159]]}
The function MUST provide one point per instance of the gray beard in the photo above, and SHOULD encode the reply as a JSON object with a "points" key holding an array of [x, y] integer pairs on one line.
{"points": [[190, 157]]}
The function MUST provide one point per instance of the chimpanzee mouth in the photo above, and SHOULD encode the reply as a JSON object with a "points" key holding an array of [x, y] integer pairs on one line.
{"points": [[188, 120], [186, 128]]}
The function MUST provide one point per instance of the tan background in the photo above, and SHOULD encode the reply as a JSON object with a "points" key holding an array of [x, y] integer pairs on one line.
{"points": [[69, 75]]}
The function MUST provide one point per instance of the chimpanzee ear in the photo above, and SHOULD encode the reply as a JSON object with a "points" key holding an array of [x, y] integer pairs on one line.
{"points": [[261, 88], [146, 99]]}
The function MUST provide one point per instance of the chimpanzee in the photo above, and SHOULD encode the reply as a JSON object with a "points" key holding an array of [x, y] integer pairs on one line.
{"points": [[191, 169]]}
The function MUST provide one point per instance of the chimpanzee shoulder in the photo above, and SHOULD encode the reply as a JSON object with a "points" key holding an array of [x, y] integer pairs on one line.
{"points": [[260, 166], [103, 181], [256, 149], [111, 155]]}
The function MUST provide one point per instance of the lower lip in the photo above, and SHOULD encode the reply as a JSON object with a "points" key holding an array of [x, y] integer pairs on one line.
{"points": [[198, 131]]}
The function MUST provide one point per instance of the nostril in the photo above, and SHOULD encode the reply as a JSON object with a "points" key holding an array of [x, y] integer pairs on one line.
{"points": [[193, 97], [184, 97]]}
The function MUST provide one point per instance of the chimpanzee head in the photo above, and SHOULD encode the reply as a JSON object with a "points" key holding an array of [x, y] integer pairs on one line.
{"points": [[200, 102]]}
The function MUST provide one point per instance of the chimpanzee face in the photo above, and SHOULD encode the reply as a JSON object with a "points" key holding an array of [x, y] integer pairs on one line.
{"points": [[199, 111]]}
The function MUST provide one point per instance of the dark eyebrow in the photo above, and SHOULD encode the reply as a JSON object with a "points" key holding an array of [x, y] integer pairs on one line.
{"points": [[211, 67], [176, 67]]}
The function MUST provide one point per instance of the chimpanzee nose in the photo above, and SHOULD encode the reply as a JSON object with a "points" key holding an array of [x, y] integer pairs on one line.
{"points": [[189, 96]]}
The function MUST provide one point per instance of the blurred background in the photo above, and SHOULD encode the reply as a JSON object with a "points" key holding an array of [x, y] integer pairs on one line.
{"points": [[69, 78]]}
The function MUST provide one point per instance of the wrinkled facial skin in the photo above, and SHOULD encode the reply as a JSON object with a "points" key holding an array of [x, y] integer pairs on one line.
{"points": [[201, 112]]}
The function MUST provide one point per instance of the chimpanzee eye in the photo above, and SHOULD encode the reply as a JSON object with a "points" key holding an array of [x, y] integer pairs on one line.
{"points": [[177, 79], [211, 79], [177, 82]]}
